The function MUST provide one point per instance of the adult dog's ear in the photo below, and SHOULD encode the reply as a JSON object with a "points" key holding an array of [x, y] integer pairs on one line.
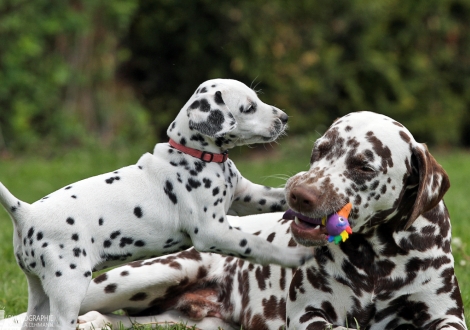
{"points": [[209, 114], [433, 183]]}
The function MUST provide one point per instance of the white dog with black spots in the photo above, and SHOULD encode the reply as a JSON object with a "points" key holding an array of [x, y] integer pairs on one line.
{"points": [[170, 200]]}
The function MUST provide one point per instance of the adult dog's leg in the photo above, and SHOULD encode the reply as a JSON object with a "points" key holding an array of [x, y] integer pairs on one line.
{"points": [[136, 285]]}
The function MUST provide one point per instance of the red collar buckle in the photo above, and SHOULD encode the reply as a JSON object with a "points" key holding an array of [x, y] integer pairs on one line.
{"points": [[202, 155]]}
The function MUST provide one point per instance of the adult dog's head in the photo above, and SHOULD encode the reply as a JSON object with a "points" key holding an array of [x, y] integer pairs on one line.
{"points": [[373, 162]]}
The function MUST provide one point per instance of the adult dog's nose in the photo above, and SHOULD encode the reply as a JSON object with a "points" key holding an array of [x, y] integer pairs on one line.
{"points": [[302, 199]]}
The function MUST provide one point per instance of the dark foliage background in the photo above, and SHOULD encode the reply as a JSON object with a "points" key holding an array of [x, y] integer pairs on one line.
{"points": [[87, 72]]}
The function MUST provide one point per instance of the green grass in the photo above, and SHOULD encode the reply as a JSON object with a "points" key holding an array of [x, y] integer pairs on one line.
{"points": [[31, 178]]}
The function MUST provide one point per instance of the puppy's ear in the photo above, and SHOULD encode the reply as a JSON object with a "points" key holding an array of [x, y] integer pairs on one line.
{"points": [[209, 114], [433, 183]]}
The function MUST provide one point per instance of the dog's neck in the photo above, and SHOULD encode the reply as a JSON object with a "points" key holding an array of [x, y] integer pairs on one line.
{"points": [[180, 132]]}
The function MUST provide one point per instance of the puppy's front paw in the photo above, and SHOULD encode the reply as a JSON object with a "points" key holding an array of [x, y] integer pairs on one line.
{"points": [[297, 256]]}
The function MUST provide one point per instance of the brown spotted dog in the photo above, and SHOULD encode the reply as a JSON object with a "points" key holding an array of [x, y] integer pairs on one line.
{"points": [[396, 271]]}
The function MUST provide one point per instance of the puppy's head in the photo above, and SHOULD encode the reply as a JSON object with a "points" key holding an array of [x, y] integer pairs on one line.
{"points": [[231, 113], [374, 163]]}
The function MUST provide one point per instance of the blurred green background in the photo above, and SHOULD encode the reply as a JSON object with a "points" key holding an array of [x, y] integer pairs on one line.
{"points": [[85, 73]]}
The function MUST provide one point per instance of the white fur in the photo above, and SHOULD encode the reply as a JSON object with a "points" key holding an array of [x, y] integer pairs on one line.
{"points": [[167, 202]]}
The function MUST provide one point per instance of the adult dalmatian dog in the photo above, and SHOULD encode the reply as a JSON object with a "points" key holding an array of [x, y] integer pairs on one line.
{"points": [[170, 200], [396, 270]]}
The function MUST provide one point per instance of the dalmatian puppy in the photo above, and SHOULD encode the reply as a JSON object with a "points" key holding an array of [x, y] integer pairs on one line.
{"points": [[170, 200], [396, 270]]}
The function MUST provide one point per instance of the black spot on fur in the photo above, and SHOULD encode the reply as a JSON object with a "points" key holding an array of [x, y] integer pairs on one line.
{"points": [[125, 241], [193, 184], [39, 236], [77, 252], [73, 266], [207, 183], [111, 180], [168, 189], [243, 242], [138, 212], [212, 125], [75, 237], [100, 221], [194, 105], [107, 243], [70, 221], [58, 274], [218, 98], [139, 243], [87, 274]]}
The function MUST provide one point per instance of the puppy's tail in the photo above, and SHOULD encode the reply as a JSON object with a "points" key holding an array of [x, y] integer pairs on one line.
{"points": [[12, 204]]}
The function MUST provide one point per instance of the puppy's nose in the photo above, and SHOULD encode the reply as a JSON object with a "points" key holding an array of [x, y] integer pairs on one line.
{"points": [[284, 118], [302, 199]]}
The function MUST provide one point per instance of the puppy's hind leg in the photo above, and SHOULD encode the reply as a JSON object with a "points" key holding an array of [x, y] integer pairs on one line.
{"points": [[38, 304], [65, 296]]}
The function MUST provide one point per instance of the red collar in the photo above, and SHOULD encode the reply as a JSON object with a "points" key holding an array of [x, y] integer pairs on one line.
{"points": [[202, 155]]}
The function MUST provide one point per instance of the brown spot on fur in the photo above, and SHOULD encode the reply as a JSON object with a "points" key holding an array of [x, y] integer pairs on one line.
{"points": [[296, 285], [262, 274], [110, 288], [381, 151], [292, 242], [405, 137], [274, 309], [101, 278], [199, 303], [138, 296], [397, 124], [270, 237], [258, 322], [282, 280]]}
